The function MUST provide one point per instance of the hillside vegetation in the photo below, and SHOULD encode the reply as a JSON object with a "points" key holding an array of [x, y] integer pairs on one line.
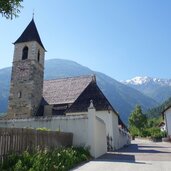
{"points": [[157, 111]]}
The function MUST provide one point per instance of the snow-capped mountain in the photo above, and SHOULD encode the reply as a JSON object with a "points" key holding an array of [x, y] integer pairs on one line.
{"points": [[156, 88], [148, 80]]}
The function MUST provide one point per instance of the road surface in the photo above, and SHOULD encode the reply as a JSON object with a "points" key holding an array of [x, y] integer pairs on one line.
{"points": [[141, 155]]}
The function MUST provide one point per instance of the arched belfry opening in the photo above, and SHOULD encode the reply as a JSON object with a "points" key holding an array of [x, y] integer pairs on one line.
{"points": [[25, 53]]}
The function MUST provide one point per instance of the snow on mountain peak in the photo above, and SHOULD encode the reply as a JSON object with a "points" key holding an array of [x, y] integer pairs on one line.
{"points": [[138, 80], [145, 80]]}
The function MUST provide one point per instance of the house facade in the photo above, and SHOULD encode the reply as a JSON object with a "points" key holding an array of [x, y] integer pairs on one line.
{"points": [[167, 117]]}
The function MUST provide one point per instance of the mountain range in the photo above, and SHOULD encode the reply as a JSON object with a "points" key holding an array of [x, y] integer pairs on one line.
{"points": [[122, 97], [155, 88]]}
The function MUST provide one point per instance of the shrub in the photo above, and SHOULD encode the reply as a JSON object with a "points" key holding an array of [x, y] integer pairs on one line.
{"points": [[61, 159], [134, 131], [145, 133], [156, 133], [164, 134], [43, 129]]}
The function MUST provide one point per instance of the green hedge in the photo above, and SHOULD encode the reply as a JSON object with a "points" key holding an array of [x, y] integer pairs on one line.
{"points": [[61, 159]]}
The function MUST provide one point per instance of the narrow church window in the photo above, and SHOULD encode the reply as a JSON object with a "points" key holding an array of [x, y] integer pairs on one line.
{"points": [[25, 53], [19, 94], [38, 56]]}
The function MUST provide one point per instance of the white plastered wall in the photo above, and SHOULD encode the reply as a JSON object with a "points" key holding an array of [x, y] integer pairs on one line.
{"points": [[168, 121], [75, 124], [89, 129], [124, 138], [119, 136], [87, 132], [96, 133], [111, 121]]}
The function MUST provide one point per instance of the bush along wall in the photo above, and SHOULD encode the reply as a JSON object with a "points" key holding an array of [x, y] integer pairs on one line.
{"points": [[61, 159]]}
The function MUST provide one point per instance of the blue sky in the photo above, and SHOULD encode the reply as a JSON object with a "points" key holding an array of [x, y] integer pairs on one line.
{"points": [[121, 38]]}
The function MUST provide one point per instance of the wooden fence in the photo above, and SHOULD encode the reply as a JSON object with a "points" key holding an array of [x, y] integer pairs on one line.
{"points": [[20, 139]]}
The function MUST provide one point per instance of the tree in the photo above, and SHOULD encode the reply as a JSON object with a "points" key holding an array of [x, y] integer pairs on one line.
{"points": [[10, 8], [137, 121], [140, 126]]}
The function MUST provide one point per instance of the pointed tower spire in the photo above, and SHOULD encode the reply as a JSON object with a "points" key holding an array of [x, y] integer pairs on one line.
{"points": [[33, 15], [30, 34]]}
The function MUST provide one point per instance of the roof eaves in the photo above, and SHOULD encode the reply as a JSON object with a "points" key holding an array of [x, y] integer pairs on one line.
{"points": [[165, 109]]}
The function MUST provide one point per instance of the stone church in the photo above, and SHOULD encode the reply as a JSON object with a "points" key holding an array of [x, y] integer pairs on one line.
{"points": [[31, 96], [74, 104]]}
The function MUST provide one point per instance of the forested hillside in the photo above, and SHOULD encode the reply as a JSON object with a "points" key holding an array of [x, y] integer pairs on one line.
{"points": [[156, 112]]}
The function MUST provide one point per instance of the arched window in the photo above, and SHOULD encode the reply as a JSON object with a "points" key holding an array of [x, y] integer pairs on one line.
{"points": [[38, 56], [25, 53]]}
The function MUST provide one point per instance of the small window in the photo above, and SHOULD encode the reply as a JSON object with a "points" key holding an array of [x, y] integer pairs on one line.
{"points": [[38, 56], [59, 109], [25, 53], [19, 94]]}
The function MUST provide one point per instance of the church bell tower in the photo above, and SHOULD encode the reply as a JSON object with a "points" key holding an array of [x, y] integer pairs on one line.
{"points": [[27, 74]]}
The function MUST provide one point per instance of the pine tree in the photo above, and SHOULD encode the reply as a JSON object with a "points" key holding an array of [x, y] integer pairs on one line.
{"points": [[137, 121]]}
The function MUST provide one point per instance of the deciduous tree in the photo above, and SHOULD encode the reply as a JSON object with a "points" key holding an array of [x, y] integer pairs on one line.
{"points": [[10, 8]]}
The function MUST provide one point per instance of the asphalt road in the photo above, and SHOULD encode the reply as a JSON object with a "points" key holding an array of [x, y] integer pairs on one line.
{"points": [[141, 155]]}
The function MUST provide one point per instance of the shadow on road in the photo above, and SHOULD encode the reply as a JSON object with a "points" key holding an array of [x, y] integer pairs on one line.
{"points": [[134, 148], [139, 156], [130, 153], [142, 146], [112, 157]]}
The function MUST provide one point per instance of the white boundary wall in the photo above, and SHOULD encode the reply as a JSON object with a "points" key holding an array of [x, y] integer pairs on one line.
{"points": [[88, 130], [124, 138], [119, 136], [96, 133], [75, 124]]}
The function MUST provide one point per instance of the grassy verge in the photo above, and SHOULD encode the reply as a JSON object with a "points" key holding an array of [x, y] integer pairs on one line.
{"points": [[61, 159]]}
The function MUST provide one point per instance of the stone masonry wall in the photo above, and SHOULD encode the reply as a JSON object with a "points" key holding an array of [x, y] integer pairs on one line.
{"points": [[26, 81]]}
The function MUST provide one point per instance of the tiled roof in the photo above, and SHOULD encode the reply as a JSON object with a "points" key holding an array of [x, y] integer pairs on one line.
{"points": [[30, 34], [66, 90]]}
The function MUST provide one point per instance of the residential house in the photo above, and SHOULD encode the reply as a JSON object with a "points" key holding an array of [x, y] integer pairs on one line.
{"points": [[167, 117]]}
